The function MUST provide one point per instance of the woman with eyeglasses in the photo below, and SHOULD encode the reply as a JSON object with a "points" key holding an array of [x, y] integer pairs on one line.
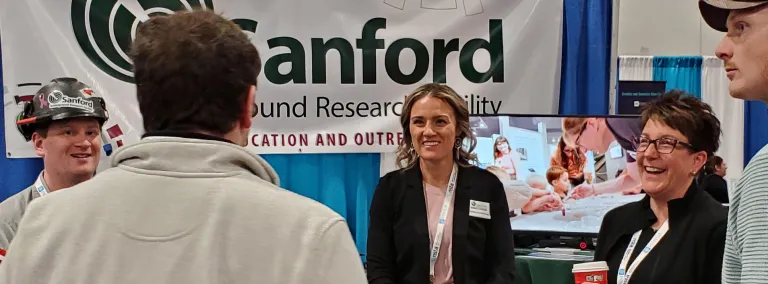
{"points": [[572, 159], [676, 233]]}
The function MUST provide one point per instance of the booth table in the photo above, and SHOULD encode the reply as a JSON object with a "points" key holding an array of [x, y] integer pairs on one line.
{"points": [[537, 270]]}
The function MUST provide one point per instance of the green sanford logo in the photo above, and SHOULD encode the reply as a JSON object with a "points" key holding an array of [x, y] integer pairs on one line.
{"points": [[105, 29]]}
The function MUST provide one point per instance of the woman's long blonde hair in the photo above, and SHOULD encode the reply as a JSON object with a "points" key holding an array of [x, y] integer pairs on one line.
{"points": [[406, 155]]}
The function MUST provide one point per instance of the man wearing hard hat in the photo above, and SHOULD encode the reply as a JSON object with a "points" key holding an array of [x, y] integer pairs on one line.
{"points": [[63, 122]]}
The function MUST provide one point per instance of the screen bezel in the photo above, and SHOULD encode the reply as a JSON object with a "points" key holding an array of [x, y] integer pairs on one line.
{"points": [[543, 233]]}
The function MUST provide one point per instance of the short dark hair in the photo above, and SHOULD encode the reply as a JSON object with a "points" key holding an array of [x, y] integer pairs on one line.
{"points": [[689, 115], [193, 71], [717, 161], [712, 163]]}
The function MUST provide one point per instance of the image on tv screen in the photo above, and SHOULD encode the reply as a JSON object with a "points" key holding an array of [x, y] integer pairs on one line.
{"points": [[540, 169]]}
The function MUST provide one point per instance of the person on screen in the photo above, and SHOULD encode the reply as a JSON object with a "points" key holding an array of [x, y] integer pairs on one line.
{"points": [[712, 181], [557, 177], [676, 233], [545, 199], [522, 198], [506, 157], [573, 159], [743, 50], [518, 193], [596, 134], [411, 239], [68, 138], [188, 203]]}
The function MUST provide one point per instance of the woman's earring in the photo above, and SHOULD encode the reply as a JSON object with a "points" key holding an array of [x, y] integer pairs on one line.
{"points": [[458, 143]]}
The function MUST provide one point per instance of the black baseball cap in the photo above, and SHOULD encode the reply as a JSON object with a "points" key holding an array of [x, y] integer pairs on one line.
{"points": [[715, 12]]}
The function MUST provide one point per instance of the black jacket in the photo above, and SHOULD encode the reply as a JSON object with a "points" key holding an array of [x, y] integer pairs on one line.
{"points": [[716, 186], [398, 236], [690, 252]]}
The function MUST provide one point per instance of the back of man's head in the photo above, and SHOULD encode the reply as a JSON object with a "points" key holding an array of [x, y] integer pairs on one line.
{"points": [[193, 71]]}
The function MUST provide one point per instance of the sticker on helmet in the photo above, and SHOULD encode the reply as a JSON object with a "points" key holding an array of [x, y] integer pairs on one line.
{"points": [[58, 100], [87, 92], [43, 102]]}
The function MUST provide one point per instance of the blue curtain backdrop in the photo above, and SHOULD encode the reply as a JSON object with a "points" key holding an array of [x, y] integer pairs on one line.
{"points": [[755, 130], [680, 72], [345, 182], [585, 70]]}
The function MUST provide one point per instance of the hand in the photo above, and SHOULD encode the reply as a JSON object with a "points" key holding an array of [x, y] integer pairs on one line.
{"points": [[551, 202], [632, 191], [556, 202], [539, 204], [538, 192], [583, 190]]}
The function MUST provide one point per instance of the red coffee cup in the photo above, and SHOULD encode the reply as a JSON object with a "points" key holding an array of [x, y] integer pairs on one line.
{"points": [[591, 272]]}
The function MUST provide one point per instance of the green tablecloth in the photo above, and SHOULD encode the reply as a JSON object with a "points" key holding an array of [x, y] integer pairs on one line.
{"points": [[532, 270]]}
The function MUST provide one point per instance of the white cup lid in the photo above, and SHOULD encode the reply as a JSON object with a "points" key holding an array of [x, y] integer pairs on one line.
{"points": [[590, 266]]}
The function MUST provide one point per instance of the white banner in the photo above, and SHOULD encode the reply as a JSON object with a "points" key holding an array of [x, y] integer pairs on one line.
{"points": [[335, 72]]}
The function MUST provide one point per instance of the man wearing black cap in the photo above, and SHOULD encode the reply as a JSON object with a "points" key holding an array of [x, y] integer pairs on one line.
{"points": [[744, 51], [63, 122]]}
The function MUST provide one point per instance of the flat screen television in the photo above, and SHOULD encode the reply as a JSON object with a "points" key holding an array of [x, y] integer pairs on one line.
{"points": [[533, 141]]}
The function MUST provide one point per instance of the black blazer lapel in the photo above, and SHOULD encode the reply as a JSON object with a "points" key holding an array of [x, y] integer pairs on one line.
{"points": [[417, 213], [460, 224]]}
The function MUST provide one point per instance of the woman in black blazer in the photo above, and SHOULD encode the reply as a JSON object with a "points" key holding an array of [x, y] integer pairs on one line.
{"points": [[407, 216], [676, 234]]}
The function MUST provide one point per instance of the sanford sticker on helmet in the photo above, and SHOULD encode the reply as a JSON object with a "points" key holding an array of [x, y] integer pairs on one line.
{"points": [[58, 100]]}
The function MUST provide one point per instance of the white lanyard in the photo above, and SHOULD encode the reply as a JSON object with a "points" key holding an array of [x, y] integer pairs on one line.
{"points": [[40, 186], [441, 223], [625, 274]]}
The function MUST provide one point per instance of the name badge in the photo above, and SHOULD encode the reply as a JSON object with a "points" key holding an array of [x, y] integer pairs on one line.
{"points": [[480, 209]]}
